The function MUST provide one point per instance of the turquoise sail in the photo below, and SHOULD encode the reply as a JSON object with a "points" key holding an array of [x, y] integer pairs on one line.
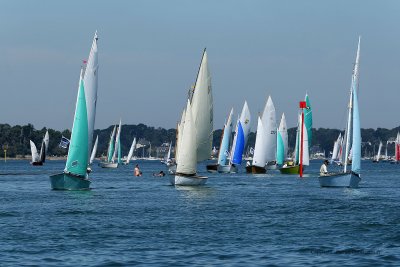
{"points": [[111, 147], [280, 148], [78, 155], [356, 146], [119, 151], [224, 148], [237, 156], [308, 120]]}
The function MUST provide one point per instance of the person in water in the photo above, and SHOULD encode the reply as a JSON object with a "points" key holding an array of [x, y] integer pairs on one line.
{"points": [[324, 170], [137, 171], [160, 174]]}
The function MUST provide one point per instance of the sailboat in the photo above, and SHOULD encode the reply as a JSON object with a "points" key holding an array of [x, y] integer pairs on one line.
{"points": [[265, 147], [75, 175], [223, 152], [378, 156], [301, 153], [114, 150], [353, 140], [39, 159], [240, 139], [131, 150], [282, 141], [337, 150], [186, 170], [94, 151]]}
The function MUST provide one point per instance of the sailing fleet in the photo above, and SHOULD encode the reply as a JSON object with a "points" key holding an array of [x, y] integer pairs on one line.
{"points": [[194, 137]]}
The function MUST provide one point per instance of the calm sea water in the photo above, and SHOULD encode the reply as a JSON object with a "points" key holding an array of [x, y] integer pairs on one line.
{"points": [[235, 220]]}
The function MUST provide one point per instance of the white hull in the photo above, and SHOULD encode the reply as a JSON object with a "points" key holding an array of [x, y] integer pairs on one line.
{"points": [[271, 167], [109, 165], [187, 180], [227, 169]]}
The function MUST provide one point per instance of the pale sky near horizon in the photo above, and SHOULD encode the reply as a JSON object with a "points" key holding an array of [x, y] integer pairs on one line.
{"points": [[149, 53]]}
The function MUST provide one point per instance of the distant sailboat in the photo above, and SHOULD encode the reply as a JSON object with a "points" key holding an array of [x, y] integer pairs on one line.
{"points": [[186, 170], [337, 150], [131, 150], [308, 120], [240, 138], [39, 159], [224, 146], [294, 167], [265, 147], [282, 142], [113, 150], [94, 151], [378, 156], [351, 178], [396, 150]]}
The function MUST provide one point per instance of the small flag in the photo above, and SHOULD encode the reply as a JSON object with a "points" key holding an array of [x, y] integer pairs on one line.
{"points": [[84, 61], [64, 142]]}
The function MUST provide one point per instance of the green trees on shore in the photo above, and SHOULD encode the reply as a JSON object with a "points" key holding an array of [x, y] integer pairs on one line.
{"points": [[17, 138]]}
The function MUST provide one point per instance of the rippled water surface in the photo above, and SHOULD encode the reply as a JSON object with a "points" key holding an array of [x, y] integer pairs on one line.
{"points": [[235, 220]]}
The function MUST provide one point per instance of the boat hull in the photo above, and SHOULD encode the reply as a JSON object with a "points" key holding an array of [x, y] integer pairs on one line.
{"points": [[183, 180], [290, 169], [271, 166], [172, 169], [227, 169], [64, 181], [255, 169], [112, 165], [340, 180], [212, 167], [37, 163]]}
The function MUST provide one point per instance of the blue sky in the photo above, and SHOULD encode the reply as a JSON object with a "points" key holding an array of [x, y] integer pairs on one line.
{"points": [[149, 52]]}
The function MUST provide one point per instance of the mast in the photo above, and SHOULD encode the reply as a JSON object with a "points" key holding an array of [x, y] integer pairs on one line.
{"points": [[354, 82]]}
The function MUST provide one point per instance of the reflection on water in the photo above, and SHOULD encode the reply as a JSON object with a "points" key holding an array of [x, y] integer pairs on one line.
{"points": [[195, 192]]}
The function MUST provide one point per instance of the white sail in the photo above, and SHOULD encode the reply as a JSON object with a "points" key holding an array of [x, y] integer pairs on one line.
{"points": [[94, 151], [336, 148], [306, 154], [131, 150], [187, 159], [378, 156], [46, 141], [269, 122], [202, 109], [244, 120], [283, 131], [90, 82], [179, 134], [117, 140], [260, 155], [169, 152], [35, 155]]}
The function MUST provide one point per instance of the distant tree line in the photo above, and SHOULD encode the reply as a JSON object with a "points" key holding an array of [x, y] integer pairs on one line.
{"points": [[17, 138]]}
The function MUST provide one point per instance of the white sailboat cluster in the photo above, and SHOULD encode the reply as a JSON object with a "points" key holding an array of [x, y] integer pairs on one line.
{"points": [[195, 130], [337, 150], [114, 149]]}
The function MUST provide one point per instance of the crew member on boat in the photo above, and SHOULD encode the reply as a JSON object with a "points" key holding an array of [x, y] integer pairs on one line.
{"points": [[324, 169]]}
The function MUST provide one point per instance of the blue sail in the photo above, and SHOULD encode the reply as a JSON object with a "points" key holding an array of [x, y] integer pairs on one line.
{"points": [[239, 146], [356, 148], [224, 148]]}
